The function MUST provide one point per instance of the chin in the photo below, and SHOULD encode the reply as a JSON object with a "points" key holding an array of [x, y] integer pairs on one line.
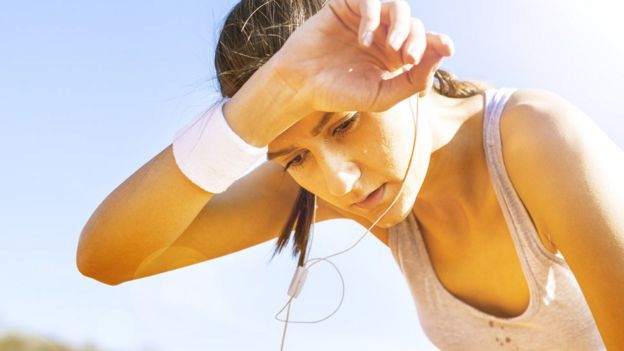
{"points": [[401, 208]]}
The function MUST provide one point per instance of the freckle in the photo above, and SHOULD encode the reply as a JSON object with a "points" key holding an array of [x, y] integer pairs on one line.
{"points": [[497, 339], [491, 324], [507, 339]]}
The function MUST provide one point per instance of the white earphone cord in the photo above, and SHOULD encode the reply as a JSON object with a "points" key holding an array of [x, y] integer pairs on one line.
{"points": [[318, 259]]}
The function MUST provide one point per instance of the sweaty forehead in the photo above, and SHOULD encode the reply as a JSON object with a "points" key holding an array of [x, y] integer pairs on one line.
{"points": [[308, 127]]}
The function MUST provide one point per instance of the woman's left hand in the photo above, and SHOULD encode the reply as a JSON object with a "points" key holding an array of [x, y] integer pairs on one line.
{"points": [[360, 55]]}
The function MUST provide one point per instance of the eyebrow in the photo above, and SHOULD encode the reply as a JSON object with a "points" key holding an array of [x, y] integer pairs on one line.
{"points": [[314, 132]]}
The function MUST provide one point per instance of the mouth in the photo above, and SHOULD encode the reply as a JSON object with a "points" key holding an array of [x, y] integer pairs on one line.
{"points": [[373, 199]]}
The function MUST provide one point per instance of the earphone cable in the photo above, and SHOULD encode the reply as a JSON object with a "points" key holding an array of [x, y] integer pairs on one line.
{"points": [[326, 258]]}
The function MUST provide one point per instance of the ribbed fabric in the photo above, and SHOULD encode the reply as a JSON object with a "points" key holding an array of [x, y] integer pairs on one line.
{"points": [[557, 317]]}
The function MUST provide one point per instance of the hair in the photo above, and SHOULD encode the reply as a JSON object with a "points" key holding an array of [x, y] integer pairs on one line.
{"points": [[254, 30]]}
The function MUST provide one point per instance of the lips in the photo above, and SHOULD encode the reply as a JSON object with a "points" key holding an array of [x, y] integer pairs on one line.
{"points": [[373, 199]]}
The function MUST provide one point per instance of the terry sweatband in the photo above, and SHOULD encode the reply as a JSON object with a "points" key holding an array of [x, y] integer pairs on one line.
{"points": [[211, 154]]}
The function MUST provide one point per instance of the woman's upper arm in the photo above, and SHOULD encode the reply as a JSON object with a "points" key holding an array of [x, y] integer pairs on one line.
{"points": [[569, 172]]}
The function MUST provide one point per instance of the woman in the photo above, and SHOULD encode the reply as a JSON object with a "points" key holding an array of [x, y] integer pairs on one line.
{"points": [[523, 254]]}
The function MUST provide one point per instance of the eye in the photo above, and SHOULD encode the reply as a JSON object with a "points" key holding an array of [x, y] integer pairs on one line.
{"points": [[300, 158], [346, 125], [296, 161]]}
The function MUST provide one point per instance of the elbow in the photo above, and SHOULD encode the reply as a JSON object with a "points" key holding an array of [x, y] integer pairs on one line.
{"points": [[90, 270], [94, 264], [96, 274]]}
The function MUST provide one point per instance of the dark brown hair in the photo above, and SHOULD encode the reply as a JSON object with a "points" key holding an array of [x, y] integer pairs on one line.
{"points": [[253, 32]]}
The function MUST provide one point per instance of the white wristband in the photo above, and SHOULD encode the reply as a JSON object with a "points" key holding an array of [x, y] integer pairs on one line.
{"points": [[211, 154]]}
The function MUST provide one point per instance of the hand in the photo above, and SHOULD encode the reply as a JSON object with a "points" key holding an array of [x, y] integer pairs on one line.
{"points": [[332, 64]]}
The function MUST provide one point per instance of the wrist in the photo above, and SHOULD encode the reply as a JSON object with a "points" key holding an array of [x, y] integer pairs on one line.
{"points": [[263, 107], [210, 154]]}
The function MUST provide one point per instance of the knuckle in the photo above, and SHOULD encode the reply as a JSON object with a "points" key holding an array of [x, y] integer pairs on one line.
{"points": [[382, 106], [399, 5], [423, 84], [369, 16], [417, 23], [369, 22], [403, 5], [369, 5]]}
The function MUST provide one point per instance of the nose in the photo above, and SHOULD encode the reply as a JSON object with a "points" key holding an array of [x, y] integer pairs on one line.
{"points": [[340, 174]]}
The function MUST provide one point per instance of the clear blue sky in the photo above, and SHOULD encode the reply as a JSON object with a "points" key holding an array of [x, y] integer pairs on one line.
{"points": [[90, 91]]}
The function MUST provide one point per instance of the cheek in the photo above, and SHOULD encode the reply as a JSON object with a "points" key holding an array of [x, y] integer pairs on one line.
{"points": [[390, 146], [308, 178]]}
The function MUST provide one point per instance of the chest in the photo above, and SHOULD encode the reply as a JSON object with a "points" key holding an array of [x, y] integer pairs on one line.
{"points": [[482, 270]]}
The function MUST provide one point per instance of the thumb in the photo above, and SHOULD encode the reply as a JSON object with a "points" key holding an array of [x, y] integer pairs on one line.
{"points": [[418, 78]]}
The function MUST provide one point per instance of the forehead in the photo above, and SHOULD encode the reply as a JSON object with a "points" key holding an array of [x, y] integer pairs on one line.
{"points": [[307, 127]]}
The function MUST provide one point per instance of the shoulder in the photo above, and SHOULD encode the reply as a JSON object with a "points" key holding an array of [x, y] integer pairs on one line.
{"points": [[535, 126], [554, 153], [539, 125], [569, 173], [536, 116]]}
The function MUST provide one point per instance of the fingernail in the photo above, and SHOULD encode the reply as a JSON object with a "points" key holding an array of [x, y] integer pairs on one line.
{"points": [[367, 38], [447, 41], [411, 50], [395, 41]]}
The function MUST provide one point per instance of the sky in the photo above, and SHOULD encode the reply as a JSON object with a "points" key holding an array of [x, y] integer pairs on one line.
{"points": [[91, 90]]}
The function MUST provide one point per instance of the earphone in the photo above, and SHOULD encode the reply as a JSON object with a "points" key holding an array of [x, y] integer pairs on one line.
{"points": [[301, 272]]}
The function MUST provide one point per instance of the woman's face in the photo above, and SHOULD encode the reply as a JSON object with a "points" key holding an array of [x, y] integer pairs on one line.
{"points": [[343, 157]]}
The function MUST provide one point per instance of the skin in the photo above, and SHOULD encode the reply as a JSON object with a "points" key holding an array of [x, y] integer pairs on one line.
{"points": [[446, 198], [448, 188], [575, 202], [375, 149], [575, 208], [569, 176], [352, 156]]}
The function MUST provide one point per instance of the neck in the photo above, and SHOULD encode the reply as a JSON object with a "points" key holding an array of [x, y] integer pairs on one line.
{"points": [[451, 190]]}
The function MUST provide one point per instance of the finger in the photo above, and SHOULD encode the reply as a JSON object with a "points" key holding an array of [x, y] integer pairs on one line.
{"points": [[442, 43], [399, 22], [435, 52], [369, 12], [414, 46], [416, 80]]}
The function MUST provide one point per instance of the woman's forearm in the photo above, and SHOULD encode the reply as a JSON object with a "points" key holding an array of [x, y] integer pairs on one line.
{"points": [[264, 107]]}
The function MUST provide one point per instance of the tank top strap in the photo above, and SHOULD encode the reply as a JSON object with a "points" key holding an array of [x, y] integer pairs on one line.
{"points": [[522, 228], [451, 323], [408, 248]]}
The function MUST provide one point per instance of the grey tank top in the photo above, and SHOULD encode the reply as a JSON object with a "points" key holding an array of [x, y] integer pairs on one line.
{"points": [[557, 317]]}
